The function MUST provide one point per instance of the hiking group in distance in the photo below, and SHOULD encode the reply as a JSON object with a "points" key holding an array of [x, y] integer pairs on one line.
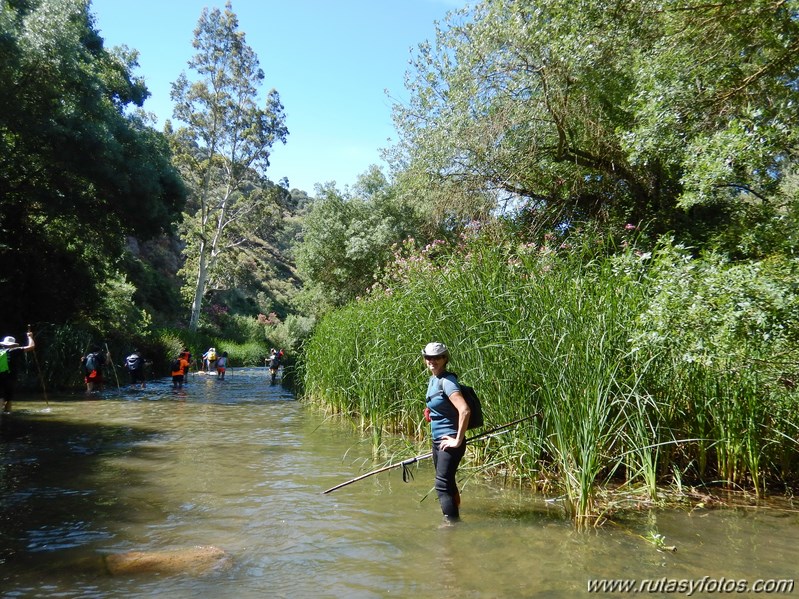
{"points": [[95, 362], [213, 362]]}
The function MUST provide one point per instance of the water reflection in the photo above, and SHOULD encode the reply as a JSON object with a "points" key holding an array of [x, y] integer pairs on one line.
{"points": [[238, 464]]}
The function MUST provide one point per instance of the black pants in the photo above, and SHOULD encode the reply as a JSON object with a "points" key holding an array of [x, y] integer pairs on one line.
{"points": [[137, 376], [446, 464], [7, 386]]}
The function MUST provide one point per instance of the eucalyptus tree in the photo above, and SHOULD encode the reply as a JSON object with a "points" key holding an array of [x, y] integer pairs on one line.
{"points": [[649, 110], [224, 144], [77, 173]]}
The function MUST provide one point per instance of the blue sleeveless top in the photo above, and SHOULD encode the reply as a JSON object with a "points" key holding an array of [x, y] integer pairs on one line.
{"points": [[443, 415]]}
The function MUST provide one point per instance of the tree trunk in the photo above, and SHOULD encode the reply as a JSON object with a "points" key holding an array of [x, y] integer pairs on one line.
{"points": [[208, 257], [199, 289]]}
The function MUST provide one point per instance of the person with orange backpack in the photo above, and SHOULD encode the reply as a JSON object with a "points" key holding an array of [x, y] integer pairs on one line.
{"points": [[186, 355], [178, 368]]}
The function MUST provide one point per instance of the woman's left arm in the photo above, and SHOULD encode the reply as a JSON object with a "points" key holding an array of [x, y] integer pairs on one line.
{"points": [[463, 421]]}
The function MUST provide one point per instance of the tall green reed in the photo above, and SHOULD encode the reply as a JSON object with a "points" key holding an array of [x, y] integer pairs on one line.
{"points": [[531, 330], [575, 333]]}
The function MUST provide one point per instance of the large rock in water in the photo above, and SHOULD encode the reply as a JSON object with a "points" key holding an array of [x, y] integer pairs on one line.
{"points": [[191, 560]]}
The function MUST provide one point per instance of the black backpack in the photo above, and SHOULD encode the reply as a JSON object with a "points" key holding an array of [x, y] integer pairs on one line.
{"points": [[175, 365], [475, 407], [133, 362], [470, 395], [92, 362]]}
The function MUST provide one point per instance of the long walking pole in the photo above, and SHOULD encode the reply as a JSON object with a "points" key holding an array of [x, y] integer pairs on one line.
{"points": [[114, 368], [39, 371], [424, 456]]}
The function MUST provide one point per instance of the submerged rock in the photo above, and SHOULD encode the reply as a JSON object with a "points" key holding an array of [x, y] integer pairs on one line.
{"points": [[197, 560]]}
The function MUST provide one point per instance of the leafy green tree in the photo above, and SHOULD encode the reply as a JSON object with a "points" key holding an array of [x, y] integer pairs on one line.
{"points": [[714, 96], [523, 100], [348, 238], [679, 114], [225, 144], [77, 175]]}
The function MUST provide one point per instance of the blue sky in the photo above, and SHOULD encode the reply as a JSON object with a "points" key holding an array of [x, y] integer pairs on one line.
{"points": [[330, 61]]}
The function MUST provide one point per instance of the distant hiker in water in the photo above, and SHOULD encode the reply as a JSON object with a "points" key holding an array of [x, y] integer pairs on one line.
{"points": [[135, 366], [10, 364], [92, 365], [448, 414], [221, 366], [274, 362], [178, 368], [209, 360], [186, 354]]}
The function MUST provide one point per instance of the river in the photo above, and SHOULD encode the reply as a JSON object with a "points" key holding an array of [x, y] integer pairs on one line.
{"points": [[240, 465]]}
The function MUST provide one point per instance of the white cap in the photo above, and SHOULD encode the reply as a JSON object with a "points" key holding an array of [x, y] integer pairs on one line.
{"points": [[435, 349]]}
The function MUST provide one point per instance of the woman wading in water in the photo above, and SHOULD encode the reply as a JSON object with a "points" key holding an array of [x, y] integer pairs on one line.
{"points": [[448, 415]]}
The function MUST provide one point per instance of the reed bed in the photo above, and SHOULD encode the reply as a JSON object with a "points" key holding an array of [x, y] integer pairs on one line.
{"points": [[570, 333]]}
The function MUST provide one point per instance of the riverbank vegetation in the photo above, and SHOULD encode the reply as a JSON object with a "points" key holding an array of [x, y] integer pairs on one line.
{"points": [[593, 204], [637, 287], [648, 368]]}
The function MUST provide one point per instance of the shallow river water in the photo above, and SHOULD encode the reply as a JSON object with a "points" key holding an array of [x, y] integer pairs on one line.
{"points": [[240, 465]]}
